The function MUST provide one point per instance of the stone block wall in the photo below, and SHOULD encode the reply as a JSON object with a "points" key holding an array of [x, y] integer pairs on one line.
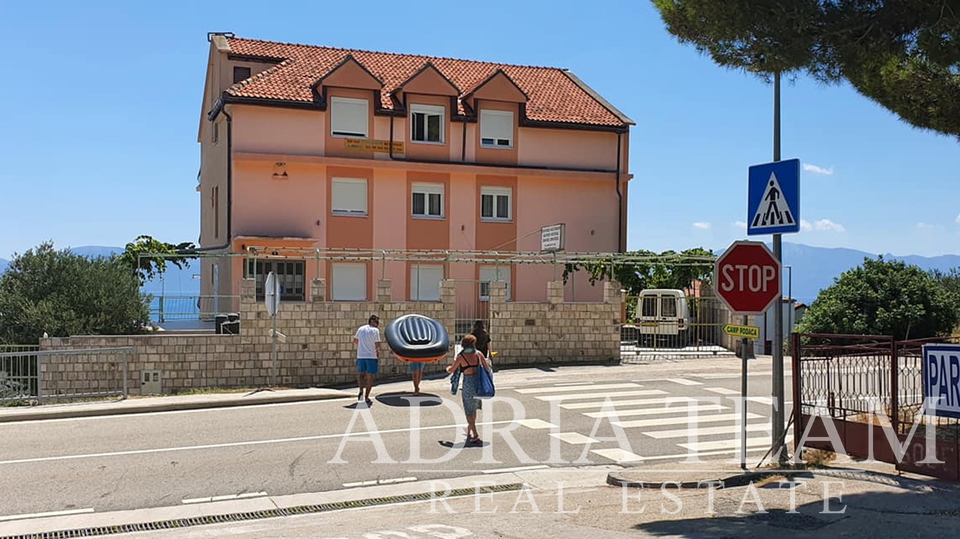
{"points": [[555, 332], [318, 349]]}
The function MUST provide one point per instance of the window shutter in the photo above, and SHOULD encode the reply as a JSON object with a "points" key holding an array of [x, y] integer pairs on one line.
{"points": [[348, 117], [349, 196], [497, 125], [425, 283], [349, 282]]}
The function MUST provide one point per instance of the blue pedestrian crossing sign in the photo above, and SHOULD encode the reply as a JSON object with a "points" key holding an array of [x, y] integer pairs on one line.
{"points": [[773, 201]]}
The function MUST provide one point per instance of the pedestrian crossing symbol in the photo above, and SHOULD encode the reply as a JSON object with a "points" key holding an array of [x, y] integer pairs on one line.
{"points": [[773, 211], [773, 200]]}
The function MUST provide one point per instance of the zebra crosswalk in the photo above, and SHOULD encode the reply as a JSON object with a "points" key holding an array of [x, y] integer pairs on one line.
{"points": [[703, 417]]}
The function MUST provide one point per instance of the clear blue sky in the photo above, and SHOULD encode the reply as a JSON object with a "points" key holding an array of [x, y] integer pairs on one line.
{"points": [[101, 100]]}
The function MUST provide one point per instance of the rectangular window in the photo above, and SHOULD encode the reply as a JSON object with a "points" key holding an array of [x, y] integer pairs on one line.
{"points": [[240, 73], [495, 204], [349, 282], [668, 306], [489, 274], [290, 274], [349, 196], [426, 123], [427, 200], [496, 129], [216, 132], [648, 306], [425, 282], [348, 117]]}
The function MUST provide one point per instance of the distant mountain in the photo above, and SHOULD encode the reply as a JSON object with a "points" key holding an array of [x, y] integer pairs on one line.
{"points": [[808, 269]]}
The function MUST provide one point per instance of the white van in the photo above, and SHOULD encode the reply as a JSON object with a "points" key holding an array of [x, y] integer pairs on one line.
{"points": [[662, 317]]}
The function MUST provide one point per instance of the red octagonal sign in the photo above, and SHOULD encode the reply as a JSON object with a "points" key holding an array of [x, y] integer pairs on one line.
{"points": [[747, 277]]}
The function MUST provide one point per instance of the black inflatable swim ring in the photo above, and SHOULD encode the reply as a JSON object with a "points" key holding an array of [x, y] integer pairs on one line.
{"points": [[417, 338]]}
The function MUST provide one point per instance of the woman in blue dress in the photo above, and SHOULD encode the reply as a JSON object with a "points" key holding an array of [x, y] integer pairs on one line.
{"points": [[468, 361]]}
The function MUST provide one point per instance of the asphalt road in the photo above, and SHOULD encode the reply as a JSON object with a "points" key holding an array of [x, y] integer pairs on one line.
{"points": [[546, 419]]}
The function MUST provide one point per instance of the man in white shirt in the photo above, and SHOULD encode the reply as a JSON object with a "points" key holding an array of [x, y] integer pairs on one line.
{"points": [[367, 340]]}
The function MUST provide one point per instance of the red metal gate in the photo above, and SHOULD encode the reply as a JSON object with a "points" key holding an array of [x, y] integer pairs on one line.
{"points": [[870, 389]]}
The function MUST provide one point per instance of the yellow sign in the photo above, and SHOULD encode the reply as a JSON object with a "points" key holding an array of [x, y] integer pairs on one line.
{"points": [[649, 324], [368, 145], [750, 332]]}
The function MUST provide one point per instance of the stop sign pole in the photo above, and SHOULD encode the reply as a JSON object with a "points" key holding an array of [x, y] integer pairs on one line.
{"points": [[747, 277]]}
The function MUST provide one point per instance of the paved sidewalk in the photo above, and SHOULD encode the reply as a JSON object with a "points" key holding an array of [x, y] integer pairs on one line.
{"points": [[855, 501], [168, 403]]}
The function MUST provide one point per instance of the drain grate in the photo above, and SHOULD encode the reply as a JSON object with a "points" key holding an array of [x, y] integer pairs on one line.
{"points": [[256, 515]]}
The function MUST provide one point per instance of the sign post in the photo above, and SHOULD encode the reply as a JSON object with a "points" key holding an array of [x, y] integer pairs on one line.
{"points": [[271, 293], [747, 276], [773, 207]]}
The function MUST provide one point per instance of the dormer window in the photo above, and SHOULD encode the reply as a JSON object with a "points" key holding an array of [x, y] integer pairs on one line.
{"points": [[240, 73], [426, 123], [496, 129], [348, 117]]}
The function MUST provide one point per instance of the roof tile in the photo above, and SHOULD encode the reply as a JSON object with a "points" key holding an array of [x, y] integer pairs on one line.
{"points": [[553, 96]]}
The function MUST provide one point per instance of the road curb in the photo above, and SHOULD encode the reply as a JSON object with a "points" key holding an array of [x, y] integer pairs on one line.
{"points": [[163, 407], [616, 479]]}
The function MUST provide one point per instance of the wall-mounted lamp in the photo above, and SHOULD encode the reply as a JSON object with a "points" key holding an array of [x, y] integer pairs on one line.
{"points": [[280, 171]]}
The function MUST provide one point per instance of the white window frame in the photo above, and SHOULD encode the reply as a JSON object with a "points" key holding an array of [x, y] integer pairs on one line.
{"points": [[342, 273], [490, 274], [496, 192], [342, 208], [425, 290], [490, 122], [349, 127], [427, 189], [428, 110]]}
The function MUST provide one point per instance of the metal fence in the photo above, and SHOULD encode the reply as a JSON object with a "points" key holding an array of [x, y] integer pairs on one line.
{"points": [[696, 333], [167, 308], [850, 379], [78, 374]]}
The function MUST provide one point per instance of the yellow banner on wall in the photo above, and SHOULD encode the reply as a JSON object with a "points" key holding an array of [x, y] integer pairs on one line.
{"points": [[369, 145]]}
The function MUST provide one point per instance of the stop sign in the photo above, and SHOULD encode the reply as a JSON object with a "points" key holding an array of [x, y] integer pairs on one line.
{"points": [[747, 277]]}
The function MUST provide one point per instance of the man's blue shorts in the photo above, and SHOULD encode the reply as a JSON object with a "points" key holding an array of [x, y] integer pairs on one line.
{"points": [[369, 366], [415, 366]]}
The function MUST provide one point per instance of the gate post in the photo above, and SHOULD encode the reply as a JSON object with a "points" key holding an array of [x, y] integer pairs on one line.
{"points": [[797, 401], [895, 386]]}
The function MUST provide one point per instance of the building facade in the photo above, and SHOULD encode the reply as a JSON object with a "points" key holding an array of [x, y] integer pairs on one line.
{"points": [[309, 149]]}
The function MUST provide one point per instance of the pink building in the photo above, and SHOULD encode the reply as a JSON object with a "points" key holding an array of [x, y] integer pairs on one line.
{"points": [[317, 148]]}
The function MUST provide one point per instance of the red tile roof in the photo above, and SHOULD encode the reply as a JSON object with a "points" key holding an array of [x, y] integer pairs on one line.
{"points": [[554, 95]]}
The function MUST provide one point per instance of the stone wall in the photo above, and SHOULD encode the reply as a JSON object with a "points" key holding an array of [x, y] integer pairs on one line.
{"points": [[555, 332], [317, 344]]}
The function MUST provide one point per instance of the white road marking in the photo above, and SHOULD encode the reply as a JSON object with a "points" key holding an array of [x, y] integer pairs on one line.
{"points": [[655, 411], [709, 431], [763, 441], [762, 400], [703, 454], [635, 402], [49, 514], [573, 438], [722, 390], [683, 420], [225, 497], [536, 424], [555, 389], [595, 395], [137, 416], [618, 455], [242, 444], [517, 469], [380, 482], [684, 382]]}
